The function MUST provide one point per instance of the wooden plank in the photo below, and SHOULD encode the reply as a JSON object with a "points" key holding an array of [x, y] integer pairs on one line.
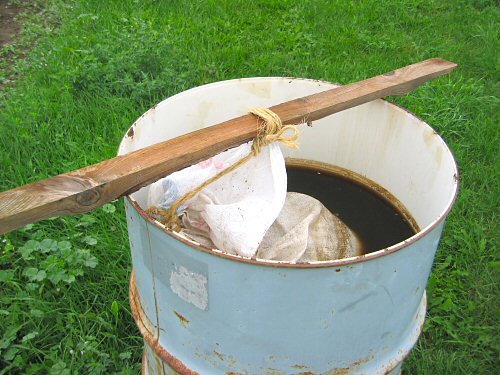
{"points": [[91, 187]]}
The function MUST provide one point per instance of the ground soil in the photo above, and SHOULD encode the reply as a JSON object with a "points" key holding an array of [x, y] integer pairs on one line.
{"points": [[9, 27]]}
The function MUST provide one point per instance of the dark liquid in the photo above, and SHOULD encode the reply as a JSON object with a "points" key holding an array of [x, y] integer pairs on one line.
{"points": [[374, 219]]}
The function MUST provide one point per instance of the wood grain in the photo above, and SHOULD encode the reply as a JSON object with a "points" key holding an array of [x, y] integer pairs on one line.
{"points": [[91, 187]]}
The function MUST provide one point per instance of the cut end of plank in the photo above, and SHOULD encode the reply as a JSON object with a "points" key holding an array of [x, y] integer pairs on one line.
{"points": [[421, 72], [444, 64]]}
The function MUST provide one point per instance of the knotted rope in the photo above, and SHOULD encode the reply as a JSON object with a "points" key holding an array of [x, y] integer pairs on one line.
{"points": [[270, 130]]}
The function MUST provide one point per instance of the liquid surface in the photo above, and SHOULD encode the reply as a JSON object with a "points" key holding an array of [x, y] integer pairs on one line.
{"points": [[377, 222]]}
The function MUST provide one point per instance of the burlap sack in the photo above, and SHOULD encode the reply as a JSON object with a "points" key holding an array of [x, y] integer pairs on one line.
{"points": [[305, 231]]}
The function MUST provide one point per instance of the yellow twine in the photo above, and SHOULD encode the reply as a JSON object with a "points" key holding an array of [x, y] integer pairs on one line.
{"points": [[272, 130]]}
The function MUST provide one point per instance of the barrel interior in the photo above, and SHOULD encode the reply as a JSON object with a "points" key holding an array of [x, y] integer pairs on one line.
{"points": [[378, 140]]}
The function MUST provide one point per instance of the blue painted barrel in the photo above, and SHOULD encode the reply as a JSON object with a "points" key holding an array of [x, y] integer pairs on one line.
{"points": [[201, 311]]}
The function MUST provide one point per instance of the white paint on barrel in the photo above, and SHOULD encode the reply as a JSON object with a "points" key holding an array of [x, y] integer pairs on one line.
{"points": [[190, 286]]}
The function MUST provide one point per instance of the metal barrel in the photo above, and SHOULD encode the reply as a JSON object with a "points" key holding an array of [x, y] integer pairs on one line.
{"points": [[206, 312]]}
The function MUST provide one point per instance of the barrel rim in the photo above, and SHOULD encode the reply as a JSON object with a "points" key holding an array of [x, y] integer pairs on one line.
{"points": [[319, 264]]}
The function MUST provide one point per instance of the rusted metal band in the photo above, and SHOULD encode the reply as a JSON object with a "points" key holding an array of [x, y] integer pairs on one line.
{"points": [[144, 361], [147, 333]]}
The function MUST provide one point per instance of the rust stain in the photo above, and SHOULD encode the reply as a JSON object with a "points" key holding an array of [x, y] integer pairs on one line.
{"points": [[261, 90], [389, 367], [130, 132], [231, 361], [150, 369], [339, 371], [272, 371], [144, 364], [207, 358], [154, 284], [318, 81], [183, 320], [176, 364], [140, 317], [429, 136], [362, 361], [159, 366], [352, 368], [389, 370], [167, 370], [221, 357]]}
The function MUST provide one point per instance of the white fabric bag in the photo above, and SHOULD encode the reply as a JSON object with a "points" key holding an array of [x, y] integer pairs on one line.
{"points": [[235, 211]]}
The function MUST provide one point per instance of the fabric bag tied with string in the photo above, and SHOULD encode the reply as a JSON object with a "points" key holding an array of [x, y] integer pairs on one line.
{"points": [[233, 199]]}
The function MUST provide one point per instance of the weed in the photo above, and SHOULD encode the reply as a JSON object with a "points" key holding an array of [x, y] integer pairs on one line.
{"points": [[40, 278]]}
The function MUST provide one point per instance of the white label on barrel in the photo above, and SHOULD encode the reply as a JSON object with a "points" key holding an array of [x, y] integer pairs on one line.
{"points": [[190, 286]]}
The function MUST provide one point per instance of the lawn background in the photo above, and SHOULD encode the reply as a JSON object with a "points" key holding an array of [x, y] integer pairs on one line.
{"points": [[82, 72]]}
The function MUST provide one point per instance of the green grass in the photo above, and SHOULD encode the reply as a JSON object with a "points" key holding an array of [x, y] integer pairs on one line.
{"points": [[98, 65]]}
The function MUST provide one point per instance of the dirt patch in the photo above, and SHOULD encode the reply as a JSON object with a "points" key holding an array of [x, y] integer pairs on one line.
{"points": [[9, 27]]}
